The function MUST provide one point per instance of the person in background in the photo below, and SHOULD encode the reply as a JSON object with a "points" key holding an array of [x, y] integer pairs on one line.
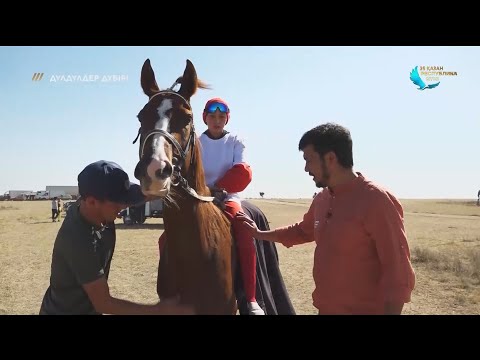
{"points": [[54, 209], [59, 209]]}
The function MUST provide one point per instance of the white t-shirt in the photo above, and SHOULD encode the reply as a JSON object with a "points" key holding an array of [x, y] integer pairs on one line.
{"points": [[219, 156], [54, 205]]}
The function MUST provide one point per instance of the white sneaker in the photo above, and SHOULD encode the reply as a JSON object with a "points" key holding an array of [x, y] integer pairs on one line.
{"points": [[254, 309]]}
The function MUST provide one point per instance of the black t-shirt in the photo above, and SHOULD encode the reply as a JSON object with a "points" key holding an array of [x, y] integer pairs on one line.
{"points": [[82, 253]]}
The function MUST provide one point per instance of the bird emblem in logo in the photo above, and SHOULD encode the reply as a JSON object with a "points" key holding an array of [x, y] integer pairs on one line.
{"points": [[417, 80]]}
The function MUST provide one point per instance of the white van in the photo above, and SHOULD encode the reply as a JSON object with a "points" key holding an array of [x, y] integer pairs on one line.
{"points": [[138, 214], [42, 195]]}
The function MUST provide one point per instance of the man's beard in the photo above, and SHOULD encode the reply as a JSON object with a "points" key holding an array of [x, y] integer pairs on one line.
{"points": [[325, 176]]}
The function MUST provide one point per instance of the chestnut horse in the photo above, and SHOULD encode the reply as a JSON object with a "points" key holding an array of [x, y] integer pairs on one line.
{"points": [[201, 252]]}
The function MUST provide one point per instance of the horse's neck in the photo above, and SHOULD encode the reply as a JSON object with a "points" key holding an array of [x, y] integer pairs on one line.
{"points": [[182, 211], [182, 228], [182, 217]]}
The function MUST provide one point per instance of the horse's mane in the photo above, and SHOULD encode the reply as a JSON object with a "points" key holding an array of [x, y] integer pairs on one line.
{"points": [[202, 85], [213, 225]]}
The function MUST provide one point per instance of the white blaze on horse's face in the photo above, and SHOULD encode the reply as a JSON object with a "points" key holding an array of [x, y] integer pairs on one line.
{"points": [[162, 123], [159, 169]]}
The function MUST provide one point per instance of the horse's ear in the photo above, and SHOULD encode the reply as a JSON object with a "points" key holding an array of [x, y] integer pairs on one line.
{"points": [[189, 81], [147, 79]]}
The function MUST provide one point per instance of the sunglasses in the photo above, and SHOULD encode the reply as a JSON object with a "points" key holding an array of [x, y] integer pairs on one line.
{"points": [[214, 106]]}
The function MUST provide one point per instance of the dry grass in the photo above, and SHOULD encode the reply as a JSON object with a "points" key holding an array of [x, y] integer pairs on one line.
{"points": [[8, 207], [449, 207], [468, 269], [443, 237]]}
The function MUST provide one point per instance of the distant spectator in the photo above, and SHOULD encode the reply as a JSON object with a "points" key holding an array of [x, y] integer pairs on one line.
{"points": [[54, 209], [59, 209]]}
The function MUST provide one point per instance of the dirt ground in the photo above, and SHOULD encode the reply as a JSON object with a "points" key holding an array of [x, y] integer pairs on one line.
{"points": [[443, 237]]}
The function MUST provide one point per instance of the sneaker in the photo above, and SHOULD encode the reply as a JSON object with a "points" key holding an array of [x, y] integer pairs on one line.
{"points": [[255, 309]]}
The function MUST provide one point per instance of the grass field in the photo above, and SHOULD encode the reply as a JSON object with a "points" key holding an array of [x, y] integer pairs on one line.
{"points": [[444, 238]]}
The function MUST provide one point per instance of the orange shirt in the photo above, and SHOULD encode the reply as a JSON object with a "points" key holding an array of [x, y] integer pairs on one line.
{"points": [[362, 258]]}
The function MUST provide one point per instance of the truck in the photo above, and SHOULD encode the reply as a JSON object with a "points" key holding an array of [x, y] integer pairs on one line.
{"points": [[62, 192], [16, 194], [139, 213]]}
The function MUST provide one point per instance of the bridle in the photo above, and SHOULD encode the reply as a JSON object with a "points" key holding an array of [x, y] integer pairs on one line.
{"points": [[177, 178]]}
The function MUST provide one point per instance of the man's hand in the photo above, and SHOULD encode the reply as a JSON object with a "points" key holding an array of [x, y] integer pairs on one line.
{"points": [[172, 306], [248, 223]]}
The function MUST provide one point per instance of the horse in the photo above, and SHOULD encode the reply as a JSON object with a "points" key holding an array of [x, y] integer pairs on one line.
{"points": [[198, 265]]}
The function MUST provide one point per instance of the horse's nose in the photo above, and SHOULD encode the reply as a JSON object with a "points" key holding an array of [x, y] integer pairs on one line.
{"points": [[164, 173], [159, 169]]}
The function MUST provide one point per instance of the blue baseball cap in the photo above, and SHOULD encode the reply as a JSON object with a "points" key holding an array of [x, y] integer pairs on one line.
{"points": [[106, 180]]}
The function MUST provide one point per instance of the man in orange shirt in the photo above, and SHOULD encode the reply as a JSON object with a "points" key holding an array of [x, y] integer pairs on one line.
{"points": [[362, 258]]}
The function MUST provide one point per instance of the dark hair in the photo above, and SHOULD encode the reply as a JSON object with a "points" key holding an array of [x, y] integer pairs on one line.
{"points": [[330, 137]]}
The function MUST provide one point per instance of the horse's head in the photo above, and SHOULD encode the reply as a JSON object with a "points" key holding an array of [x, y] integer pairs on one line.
{"points": [[166, 132]]}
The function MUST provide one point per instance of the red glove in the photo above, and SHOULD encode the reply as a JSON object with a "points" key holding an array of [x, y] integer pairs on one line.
{"points": [[236, 179]]}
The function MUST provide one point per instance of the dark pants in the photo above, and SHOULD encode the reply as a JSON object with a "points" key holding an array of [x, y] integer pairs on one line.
{"points": [[54, 214]]}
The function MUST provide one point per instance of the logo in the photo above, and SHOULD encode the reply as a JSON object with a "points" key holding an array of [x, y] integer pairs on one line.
{"points": [[88, 78], [431, 75], [37, 76], [81, 78]]}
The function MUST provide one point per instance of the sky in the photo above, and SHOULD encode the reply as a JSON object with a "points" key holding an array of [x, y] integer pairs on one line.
{"points": [[417, 144]]}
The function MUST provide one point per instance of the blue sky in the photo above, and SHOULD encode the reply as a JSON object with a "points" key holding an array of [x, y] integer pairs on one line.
{"points": [[419, 144]]}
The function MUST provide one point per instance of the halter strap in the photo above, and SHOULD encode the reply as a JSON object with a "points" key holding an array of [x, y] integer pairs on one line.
{"points": [[171, 92], [178, 179]]}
